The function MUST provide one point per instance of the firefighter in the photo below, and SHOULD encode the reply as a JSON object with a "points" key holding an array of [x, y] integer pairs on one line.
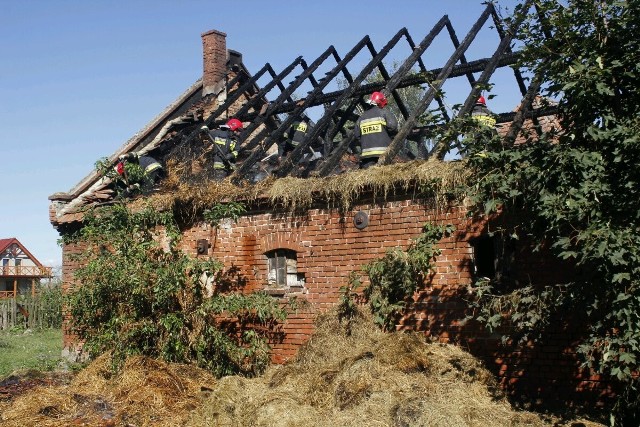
{"points": [[485, 122], [223, 146], [295, 135], [152, 172], [482, 115], [373, 130]]}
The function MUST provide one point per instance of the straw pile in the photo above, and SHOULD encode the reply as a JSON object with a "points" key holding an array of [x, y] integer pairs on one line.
{"points": [[344, 376], [144, 393], [365, 378]]}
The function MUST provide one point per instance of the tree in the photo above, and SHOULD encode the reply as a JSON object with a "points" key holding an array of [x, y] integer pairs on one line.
{"points": [[576, 189]]}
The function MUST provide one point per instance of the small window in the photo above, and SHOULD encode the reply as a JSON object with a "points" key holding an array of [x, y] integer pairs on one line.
{"points": [[493, 257], [283, 269], [484, 257]]}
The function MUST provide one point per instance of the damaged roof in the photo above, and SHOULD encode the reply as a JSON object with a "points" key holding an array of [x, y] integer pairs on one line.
{"points": [[228, 89]]}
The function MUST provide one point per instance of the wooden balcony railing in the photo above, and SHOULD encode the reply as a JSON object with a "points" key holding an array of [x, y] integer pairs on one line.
{"points": [[24, 271], [7, 294]]}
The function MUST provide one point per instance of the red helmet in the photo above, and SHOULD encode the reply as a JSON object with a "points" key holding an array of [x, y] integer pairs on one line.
{"points": [[481, 100], [377, 98], [234, 124], [120, 168]]}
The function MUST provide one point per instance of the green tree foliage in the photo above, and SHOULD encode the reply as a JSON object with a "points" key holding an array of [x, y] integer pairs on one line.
{"points": [[576, 189], [140, 294]]}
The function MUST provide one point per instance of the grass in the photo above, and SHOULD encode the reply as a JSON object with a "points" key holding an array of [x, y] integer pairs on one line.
{"points": [[25, 350]]}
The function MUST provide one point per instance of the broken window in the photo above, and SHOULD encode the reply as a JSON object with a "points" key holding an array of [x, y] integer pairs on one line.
{"points": [[493, 257], [283, 269]]}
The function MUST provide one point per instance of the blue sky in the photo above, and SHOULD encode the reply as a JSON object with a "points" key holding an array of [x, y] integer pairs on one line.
{"points": [[79, 78]]}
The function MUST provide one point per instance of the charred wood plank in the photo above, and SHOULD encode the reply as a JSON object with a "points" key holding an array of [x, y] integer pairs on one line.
{"points": [[391, 84], [296, 154], [443, 146], [436, 85]]}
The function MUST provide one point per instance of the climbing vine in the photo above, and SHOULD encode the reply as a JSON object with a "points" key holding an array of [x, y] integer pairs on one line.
{"points": [[138, 293], [230, 210], [574, 188], [394, 278]]}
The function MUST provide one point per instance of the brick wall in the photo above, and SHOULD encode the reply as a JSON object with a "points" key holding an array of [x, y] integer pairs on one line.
{"points": [[329, 247], [71, 346]]}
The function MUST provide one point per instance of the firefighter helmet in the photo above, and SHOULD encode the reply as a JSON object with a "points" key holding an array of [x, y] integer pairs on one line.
{"points": [[120, 168], [234, 125], [377, 98], [481, 100]]}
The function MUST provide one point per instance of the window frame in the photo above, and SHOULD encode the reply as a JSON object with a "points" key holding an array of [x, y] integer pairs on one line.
{"points": [[282, 269]]}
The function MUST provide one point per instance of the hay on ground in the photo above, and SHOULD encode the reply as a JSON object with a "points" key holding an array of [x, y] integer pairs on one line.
{"points": [[145, 392], [365, 378], [355, 376]]}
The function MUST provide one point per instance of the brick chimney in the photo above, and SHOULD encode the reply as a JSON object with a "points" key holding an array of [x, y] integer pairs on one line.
{"points": [[214, 55]]}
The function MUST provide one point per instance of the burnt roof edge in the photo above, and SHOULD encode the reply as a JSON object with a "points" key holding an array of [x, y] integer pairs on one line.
{"points": [[90, 179]]}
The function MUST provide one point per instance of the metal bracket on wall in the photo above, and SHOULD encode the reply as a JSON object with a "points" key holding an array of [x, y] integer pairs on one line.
{"points": [[202, 247], [361, 220]]}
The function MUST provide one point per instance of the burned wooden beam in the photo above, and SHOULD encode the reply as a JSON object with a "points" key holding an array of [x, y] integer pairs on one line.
{"points": [[443, 146], [236, 94], [274, 107], [261, 149], [407, 81], [391, 84], [436, 86], [277, 80], [296, 154]]}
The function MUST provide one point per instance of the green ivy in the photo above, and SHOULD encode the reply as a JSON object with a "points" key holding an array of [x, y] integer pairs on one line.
{"points": [[133, 173], [230, 210], [576, 188], [139, 294], [394, 278]]}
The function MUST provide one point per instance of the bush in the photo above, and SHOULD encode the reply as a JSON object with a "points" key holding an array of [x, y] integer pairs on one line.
{"points": [[138, 296]]}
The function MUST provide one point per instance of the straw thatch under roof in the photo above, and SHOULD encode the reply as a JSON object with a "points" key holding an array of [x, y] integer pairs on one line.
{"points": [[424, 180]]}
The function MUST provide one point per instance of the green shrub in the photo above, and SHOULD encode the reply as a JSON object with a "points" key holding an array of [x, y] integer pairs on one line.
{"points": [[394, 278], [138, 296]]}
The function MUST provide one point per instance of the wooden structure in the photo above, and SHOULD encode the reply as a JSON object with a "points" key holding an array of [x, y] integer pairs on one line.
{"points": [[19, 269]]}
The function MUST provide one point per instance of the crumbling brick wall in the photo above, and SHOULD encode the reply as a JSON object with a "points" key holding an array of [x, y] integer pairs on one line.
{"points": [[328, 247], [71, 345]]}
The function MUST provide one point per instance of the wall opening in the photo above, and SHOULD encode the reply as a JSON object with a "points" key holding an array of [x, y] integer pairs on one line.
{"points": [[282, 267], [493, 257]]}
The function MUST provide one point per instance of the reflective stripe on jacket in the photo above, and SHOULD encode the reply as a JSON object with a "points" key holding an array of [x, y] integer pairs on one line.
{"points": [[149, 164], [373, 130], [297, 132], [225, 140], [483, 116]]}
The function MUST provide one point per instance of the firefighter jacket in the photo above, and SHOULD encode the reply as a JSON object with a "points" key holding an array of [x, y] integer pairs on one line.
{"points": [[373, 131], [224, 156], [297, 132], [483, 116], [150, 165]]}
